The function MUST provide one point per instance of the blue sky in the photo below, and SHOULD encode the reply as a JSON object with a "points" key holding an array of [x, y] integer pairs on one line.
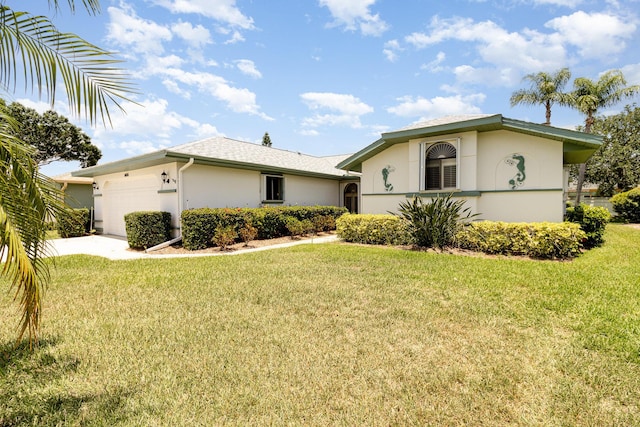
{"points": [[326, 77]]}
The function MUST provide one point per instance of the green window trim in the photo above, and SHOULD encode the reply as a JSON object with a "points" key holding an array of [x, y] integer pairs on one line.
{"points": [[462, 193], [171, 190]]}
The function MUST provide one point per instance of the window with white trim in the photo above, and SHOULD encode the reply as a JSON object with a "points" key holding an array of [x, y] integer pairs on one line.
{"points": [[440, 166], [273, 186]]}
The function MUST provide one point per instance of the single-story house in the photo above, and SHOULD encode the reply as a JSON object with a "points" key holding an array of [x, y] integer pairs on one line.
{"points": [[505, 169], [215, 172]]}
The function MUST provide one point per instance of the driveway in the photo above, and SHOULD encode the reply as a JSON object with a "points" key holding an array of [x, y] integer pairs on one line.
{"points": [[116, 248]]}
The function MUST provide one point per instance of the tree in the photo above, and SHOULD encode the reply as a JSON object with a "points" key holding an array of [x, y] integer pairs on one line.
{"points": [[589, 96], [266, 140], [92, 83], [546, 89], [53, 136], [616, 164]]}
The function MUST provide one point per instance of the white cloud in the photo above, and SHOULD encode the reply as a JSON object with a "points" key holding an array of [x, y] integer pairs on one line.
{"points": [[631, 73], [343, 109], [247, 66], [239, 100], [135, 147], [566, 3], [435, 107], [135, 34], [390, 50], [224, 11], [435, 65], [355, 15], [596, 35], [196, 37]]}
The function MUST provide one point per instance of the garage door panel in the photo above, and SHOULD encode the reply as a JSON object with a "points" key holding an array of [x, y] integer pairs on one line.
{"points": [[121, 197]]}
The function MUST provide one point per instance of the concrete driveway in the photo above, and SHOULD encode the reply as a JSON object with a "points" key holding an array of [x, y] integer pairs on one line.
{"points": [[116, 248]]}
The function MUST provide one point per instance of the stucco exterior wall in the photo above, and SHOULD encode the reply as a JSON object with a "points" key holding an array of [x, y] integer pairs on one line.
{"points": [[307, 191], [216, 187], [503, 175]]}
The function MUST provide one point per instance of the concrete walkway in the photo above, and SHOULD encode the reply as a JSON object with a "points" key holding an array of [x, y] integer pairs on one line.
{"points": [[117, 248]]}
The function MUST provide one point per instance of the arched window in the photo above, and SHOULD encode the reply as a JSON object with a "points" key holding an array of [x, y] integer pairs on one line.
{"points": [[440, 167]]}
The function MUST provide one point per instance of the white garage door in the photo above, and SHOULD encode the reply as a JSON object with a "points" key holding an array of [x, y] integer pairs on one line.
{"points": [[127, 195]]}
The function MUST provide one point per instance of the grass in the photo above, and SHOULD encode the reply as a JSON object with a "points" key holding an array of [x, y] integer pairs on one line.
{"points": [[333, 335]]}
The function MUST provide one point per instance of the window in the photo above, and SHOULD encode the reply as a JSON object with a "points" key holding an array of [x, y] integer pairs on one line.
{"points": [[274, 188], [440, 166]]}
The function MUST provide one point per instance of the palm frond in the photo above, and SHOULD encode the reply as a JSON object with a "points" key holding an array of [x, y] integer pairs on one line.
{"points": [[91, 76]]}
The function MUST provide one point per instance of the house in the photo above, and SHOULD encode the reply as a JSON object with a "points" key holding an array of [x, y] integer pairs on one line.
{"points": [[215, 172], [505, 169]]}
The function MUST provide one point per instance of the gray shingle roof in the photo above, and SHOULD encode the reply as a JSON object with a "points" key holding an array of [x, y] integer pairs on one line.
{"points": [[248, 153], [228, 152]]}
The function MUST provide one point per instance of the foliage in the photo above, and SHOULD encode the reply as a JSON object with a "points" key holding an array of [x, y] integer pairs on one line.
{"points": [[593, 221], [589, 96], [539, 240], [146, 229], [294, 226], [385, 229], [247, 233], [434, 224], [53, 136], [73, 223], [615, 166], [546, 89], [36, 53], [266, 140], [199, 225], [224, 236], [627, 205]]}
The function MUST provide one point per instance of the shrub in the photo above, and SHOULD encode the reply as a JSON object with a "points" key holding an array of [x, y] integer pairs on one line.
{"points": [[147, 228], [248, 233], [294, 226], [627, 205], [308, 227], [224, 237], [593, 221], [434, 224], [539, 240], [73, 223], [371, 229], [199, 225]]}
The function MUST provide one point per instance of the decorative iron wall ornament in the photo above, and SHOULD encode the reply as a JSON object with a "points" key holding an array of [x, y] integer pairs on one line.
{"points": [[385, 177], [517, 160]]}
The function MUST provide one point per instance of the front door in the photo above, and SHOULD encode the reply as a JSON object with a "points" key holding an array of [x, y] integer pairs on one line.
{"points": [[351, 198]]}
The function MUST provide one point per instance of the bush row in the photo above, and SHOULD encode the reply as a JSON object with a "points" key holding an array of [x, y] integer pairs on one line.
{"points": [[539, 240], [73, 223], [383, 229], [199, 225], [627, 205], [593, 221], [147, 228]]}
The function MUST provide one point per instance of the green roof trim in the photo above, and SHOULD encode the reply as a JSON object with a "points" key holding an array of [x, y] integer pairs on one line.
{"points": [[577, 146]]}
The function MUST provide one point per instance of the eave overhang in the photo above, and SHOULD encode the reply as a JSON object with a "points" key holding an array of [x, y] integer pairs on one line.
{"points": [[167, 156]]}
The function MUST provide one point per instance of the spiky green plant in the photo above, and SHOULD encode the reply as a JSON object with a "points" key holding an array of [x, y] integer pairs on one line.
{"points": [[434, 224]]}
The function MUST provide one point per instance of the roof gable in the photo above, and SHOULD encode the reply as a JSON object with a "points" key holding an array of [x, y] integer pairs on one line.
{"points": [[577, 146]]}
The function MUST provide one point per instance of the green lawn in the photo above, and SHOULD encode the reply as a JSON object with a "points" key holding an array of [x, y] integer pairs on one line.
{"points": [[333, 335]]}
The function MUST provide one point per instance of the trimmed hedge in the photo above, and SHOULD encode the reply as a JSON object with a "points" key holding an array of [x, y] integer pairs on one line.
{"points": [[383, 229], [627, 205], [539, 240], [147, 228], [200, 225], [73, 223], [593, 221]]}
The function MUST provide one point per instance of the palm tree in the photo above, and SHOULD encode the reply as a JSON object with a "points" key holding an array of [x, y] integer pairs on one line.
{"points": [[589, 96], [546, 89], [32, 47]]}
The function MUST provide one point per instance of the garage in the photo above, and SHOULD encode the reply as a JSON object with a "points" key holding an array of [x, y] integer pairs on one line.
{"points": [[122, 196]]}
